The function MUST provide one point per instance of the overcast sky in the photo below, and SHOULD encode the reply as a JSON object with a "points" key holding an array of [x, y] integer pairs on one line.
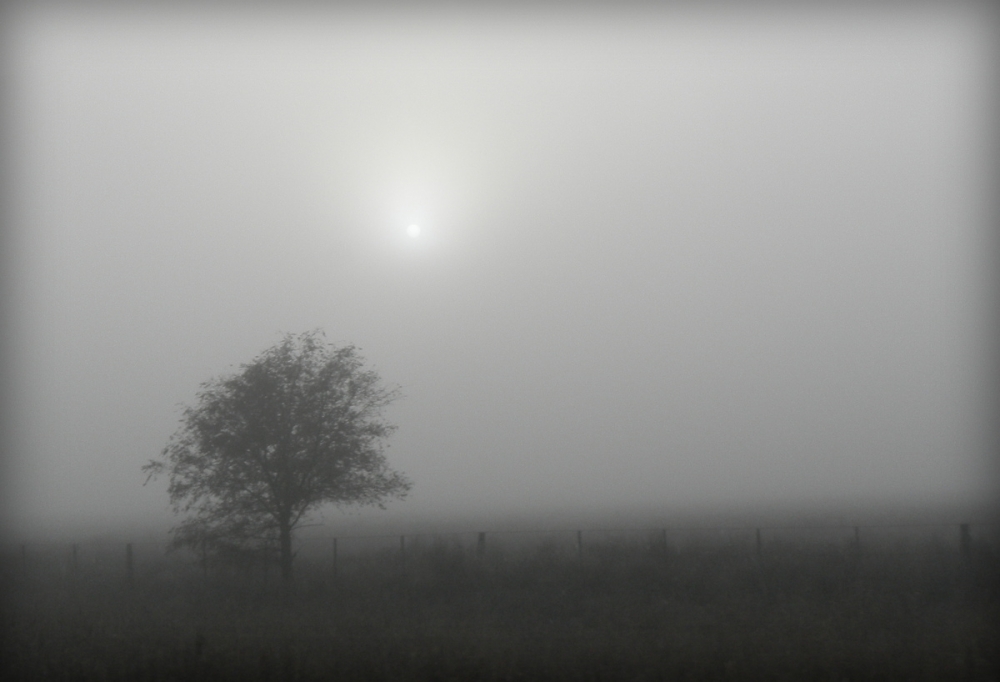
{"points": [[670, 257]]}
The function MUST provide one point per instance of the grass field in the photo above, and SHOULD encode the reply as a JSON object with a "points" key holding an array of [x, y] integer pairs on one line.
{"points": [[620, 611]]}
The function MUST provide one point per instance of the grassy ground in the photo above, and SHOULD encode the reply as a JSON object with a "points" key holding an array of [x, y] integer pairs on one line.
{"points": [[619, 612]]}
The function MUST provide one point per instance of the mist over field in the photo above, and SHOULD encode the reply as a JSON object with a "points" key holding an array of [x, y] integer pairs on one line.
{"points": [[690, 266], [493, 342]]}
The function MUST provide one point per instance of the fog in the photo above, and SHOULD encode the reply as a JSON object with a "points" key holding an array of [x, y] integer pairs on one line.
{"points": [[684, 259]]}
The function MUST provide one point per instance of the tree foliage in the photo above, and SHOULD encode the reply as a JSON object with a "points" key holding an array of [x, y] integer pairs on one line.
{"points": [[298, 427]]}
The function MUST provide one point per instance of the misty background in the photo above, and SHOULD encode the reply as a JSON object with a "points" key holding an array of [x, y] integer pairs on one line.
{"points": [[677, 258]]}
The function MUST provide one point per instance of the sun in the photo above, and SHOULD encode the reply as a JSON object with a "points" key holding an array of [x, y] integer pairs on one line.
{"points": [[413, 230]]}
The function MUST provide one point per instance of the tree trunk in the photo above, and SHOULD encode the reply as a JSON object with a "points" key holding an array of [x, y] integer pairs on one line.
{"points": [[285, 531]]}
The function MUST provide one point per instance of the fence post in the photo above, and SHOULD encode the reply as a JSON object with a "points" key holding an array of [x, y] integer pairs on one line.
{"points": [[965, 539], [758, 542], [481, 545], [267, 561], [335, 557], [128, 563], [204, 557], [579, 544]]}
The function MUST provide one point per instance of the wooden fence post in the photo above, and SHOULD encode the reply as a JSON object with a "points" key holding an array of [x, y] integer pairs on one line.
{"points": [[128, 563], [481, 545], [965, 539], [758, 542], [204, 558]]}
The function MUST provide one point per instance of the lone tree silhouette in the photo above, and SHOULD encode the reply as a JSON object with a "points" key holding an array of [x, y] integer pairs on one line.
{"points": [[298, 427]]}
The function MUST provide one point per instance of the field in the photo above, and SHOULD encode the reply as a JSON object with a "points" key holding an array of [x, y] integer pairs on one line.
{"points": [[626, 608]]}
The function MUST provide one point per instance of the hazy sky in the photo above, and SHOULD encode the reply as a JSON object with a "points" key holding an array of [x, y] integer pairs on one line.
{"points": [[670, 257]]}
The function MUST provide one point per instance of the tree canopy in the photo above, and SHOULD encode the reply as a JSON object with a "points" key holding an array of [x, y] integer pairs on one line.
{"points": [[298, 427]]}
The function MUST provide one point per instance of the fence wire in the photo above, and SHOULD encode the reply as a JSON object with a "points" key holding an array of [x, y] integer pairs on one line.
{"points": [[347, 553]]}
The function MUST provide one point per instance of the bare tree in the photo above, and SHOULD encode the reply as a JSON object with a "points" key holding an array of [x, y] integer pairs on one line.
{"points": [[298, 427]]}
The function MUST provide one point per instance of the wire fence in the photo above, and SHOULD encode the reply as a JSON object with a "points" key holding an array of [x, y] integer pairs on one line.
{"points": [[341, 554]]}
